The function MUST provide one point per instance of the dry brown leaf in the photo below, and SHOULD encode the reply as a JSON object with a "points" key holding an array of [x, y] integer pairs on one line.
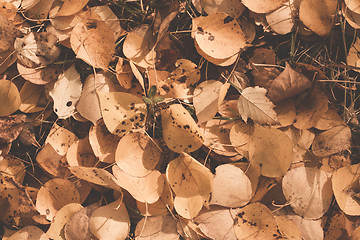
{"points": [[137, 154], [147, 189], [218, 35], [8, 33], [122, 112], [10, 100], [286, 112], [288, 228], [288, 84], [60, 139], [353, 5], [12, 167], [311, 109], [272, 150], [62, 217], [139, 46], [256, 221], [50, 161], [332, 141], [29, 233], [310, 199], [282, 19], [191, 183], [55, 194], [96, 175], [37, 49], [157, 227], [223, 62], [234, 8], [33, 98], [103, 143], [216, 137], [206, 99], [345, 183], [93, 41], [264, 6], [39, 76], [217, 222], [110, 222], [329, 120], [239, 136], [123, 73], [77, 228], [186, 71], [80, 153], [255, 105], [11, 127], [231, 187], [352, 57], [108, 16], [318, 15], [180, 132], [352, 18], [309, 229], [160, 207], [70, 7]]}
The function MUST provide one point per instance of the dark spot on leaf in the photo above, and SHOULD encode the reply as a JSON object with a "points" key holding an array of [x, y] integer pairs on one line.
{"points": [[228, 19], [69, 103]]}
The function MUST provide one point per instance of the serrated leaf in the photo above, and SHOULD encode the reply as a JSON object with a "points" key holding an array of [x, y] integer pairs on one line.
{"points": [[255, 105]]}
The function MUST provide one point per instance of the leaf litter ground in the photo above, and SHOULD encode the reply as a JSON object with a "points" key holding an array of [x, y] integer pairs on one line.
{"points": [[221, 119]]}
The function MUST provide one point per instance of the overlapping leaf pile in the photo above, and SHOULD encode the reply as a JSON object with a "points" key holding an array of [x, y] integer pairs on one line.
{"points": [[175, 150]]}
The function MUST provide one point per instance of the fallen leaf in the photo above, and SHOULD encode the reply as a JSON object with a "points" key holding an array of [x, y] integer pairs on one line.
{"points": [[255, 105], [51, 162], [147, 189], [66, 93], [263, 6], [352, 58], [60, 139], [78, 225], [80, 153], [231, 187], [122, 112], [345, 183], [318, 16], [353, 5], [287, 84], [332, 141], [11, 127], [33, 98], [137, 154], [206, 100], [40, 75], [110, 222], [186, 71], [282, 19], [256, 221], [55, 194], [180, 132], [70, 7], [310, 199], [62, 217], [93, 41], [217, 222], [288, 228], [309, 229], [218, 35], [191, 183], [37, 49], [329, 120], [234, 8], [272, 150], [157, 227], [239, 136], [109, 17], [9, 98], [102, 142], [28, 233]]}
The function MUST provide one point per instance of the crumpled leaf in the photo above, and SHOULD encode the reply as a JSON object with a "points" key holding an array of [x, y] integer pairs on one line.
{"points": [[70, 7], [191, 183], [287, 84], [66, 92], [180, 132], [93, 41], [255, 105], [11, 127], [186, 71], [37, 49]]}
